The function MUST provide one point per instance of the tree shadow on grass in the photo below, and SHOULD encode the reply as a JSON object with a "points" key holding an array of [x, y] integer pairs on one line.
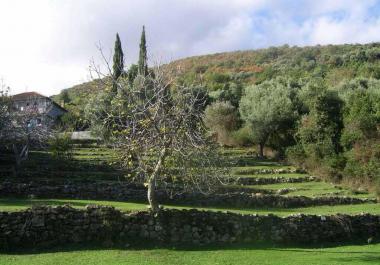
{"points": [[374, 258], [42, 164]]}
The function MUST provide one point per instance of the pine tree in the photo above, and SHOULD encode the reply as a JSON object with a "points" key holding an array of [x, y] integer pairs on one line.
{"points": [[142, 63], [118, 62]]}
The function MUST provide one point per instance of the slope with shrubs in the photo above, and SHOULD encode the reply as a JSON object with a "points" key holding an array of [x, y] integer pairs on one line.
{"points": [[330, 95], [333, 63]]}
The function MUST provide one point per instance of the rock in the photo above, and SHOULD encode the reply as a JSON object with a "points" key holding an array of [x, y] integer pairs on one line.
{"points": [[38, 221]]}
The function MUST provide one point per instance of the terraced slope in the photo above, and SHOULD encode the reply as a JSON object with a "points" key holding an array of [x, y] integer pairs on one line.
{"points": [[259, 186]]}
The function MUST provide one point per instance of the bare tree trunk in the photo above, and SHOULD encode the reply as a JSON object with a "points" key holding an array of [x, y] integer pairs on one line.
{"points": [[152, 196], [261, 154], [20, 156], [152, 182]]}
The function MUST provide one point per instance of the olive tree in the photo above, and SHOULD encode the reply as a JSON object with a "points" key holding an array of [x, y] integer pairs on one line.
{"points": [[267, 108], [157, 126]]}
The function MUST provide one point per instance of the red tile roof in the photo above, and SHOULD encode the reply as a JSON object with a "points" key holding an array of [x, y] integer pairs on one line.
{"points": [[27, 95], [32, 95]]}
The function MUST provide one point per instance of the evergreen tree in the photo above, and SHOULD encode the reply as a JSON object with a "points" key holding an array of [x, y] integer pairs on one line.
{"points": [[143, 60], [65, 97], [118, 62]]}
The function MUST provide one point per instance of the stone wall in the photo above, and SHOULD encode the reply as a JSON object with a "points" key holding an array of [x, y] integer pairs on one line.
{"points": [[255, 171], [119, 191], [273, 180], [48, 226]]}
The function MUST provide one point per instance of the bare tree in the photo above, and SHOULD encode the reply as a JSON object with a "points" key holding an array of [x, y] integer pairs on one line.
{"points": [[157, 125], [21, 129]]}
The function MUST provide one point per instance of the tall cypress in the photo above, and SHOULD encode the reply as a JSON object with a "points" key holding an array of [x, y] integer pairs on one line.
{"points": [[118, 62], [143, 60]]}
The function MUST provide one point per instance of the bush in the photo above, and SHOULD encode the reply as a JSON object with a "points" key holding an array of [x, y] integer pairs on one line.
{"points": [[296, 155], [61, 146], [221, 118], [243, 136], [377, 187]]}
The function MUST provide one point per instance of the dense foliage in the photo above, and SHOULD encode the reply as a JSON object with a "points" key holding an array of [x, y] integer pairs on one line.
{"points": [[222, 118], [268, 109]]}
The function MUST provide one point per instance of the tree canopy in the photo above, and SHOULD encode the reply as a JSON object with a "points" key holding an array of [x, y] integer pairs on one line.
{"points": [[158, 127], [267, 108]]}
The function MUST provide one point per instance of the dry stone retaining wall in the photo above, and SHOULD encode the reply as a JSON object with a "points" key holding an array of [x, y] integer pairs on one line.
{"points": [[57, 226], [272, 180], [255, 171]]}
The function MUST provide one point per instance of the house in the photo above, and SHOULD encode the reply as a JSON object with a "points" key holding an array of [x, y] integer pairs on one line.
{"points": [[33, 101]]}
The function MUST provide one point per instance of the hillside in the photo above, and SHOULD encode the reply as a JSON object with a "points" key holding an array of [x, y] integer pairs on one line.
{"points": [[224, 75], [332, 63]]}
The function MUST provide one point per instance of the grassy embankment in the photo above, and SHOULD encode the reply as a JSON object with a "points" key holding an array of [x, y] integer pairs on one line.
{"points": [[100, 163]]}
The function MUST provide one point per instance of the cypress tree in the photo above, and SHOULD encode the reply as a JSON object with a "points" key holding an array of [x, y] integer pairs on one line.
{"points": [[118, 62], [143, 60]]}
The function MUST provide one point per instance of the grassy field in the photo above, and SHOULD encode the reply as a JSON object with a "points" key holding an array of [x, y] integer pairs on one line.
{"points": [[242, 255], [10, 204], [314, 189]]}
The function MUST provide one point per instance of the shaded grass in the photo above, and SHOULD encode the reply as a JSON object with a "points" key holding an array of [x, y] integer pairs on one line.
{"points": [[314, 189]]}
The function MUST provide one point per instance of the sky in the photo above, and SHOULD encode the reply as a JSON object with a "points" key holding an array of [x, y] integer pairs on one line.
{"points": [[48, 45]]}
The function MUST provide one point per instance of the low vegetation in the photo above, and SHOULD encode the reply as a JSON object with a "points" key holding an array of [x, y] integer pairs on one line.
{"points": [[330, 95]]}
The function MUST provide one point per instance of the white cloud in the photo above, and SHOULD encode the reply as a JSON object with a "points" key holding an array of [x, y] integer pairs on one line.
{"points": [[47, 45], [326, 30]]}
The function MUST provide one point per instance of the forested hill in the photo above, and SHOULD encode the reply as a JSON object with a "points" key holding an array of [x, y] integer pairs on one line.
{"points": [[333, 63], [225, 74]]}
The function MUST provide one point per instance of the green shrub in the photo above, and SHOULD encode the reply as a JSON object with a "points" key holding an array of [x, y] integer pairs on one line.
{"points": [[222, 119], [243, 136], [296, 155], [61, 146]]}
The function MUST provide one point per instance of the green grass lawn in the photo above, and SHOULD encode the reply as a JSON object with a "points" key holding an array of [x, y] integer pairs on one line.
{"points": [[10, 204], [241, 255], [313, 189]]}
